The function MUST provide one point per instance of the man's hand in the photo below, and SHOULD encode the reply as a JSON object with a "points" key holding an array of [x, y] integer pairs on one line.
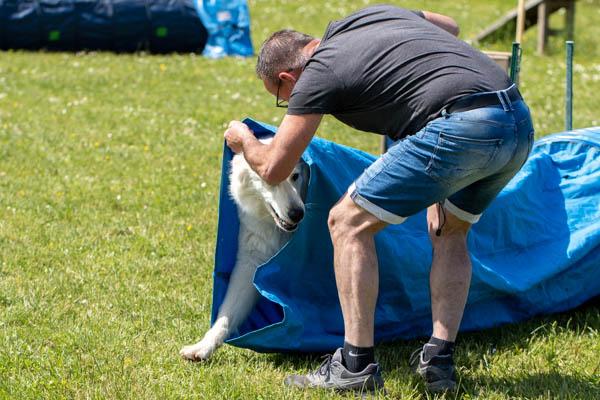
{"points": [[236, 134], [275, 161]]}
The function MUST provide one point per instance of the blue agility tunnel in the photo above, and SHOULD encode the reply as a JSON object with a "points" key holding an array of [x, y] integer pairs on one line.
{"points": [[536, 250], [158, 26]]}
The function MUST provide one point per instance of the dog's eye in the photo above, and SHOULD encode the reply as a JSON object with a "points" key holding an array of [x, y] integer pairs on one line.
{"points": [[295, 176]]}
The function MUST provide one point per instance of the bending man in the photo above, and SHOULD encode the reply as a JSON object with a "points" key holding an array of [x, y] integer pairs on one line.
{"points": [[461, 132]]}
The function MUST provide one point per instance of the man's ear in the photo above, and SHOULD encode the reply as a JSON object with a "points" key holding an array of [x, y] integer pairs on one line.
{"points": [[288, 77]]}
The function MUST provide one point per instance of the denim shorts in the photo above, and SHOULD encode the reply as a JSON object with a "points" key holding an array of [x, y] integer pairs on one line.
{"points": [[462, 159]]}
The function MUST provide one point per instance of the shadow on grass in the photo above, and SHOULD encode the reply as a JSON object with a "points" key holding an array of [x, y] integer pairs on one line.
{"points": [[547, 384], [475, 348], [508, 336]]}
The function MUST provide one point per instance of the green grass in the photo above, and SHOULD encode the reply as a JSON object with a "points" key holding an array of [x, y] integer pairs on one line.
{"points": [[109, 174]]}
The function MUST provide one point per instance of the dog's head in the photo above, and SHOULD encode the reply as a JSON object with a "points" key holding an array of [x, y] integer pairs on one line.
{"points": [[284, 202]]}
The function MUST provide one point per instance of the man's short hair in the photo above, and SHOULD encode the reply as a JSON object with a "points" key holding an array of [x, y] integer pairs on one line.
{"points": [[282, 51]]}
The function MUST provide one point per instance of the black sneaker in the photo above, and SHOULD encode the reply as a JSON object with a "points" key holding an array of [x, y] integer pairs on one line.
{"points": [[438, 372], [333, 375]]}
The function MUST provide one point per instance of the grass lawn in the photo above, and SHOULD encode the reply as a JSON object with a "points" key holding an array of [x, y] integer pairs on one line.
{"points": [[109, 171]]}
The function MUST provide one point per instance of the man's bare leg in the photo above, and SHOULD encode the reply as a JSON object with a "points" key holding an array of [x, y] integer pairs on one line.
{"points": [[357, 276], [449, 282], [356, 270], [450, 275]]}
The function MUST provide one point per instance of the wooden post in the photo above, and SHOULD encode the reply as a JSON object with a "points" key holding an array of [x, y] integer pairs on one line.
{"points": [[520, 21], [542, 22], [383, 147], [570, 19]]}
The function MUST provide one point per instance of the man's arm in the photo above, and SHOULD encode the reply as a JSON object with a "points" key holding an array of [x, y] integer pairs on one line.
{"points": [[446, 23], [275, 161]]}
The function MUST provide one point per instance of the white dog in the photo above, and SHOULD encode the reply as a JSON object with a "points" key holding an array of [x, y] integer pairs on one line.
{"points": [[268, 214]]}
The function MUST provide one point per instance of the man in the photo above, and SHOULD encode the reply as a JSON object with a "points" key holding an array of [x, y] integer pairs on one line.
{"points": [[462, 132]]}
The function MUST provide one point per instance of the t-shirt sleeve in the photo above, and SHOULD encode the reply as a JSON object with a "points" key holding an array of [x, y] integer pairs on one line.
{"points": [[419, 13], [316, 92]]}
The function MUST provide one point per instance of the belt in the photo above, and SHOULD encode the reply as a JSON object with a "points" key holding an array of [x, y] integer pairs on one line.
{"points": [[474, 101]]}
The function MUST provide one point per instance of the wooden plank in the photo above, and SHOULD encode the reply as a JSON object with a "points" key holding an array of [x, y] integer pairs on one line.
{"points": [[542, 27], [530, 8], [502, 58], [521, 21], [530, 16]]}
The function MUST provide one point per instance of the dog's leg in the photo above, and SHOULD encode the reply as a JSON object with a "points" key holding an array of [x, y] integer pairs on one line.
{"points": [[239, 300]]}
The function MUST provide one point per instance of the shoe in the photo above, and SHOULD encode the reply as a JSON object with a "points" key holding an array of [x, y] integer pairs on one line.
{"points": [[332, 374], [438, 372]]}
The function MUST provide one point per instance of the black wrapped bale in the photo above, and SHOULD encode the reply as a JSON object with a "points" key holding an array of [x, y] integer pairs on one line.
{"points": [[160, 26]]}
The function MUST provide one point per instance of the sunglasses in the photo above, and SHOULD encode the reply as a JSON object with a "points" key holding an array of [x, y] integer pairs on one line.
{"points": [[280, 102]]}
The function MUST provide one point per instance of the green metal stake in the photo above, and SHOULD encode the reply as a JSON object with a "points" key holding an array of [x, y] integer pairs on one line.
{"points": [[569, 87], [515, 62]]}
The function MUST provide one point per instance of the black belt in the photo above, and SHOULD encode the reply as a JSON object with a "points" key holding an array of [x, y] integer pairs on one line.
{"points": [[474, 101]]}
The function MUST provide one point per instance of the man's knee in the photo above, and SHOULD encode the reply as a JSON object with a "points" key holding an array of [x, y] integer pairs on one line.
{"points": [[445, 228], [334, 219], [348, 219], [338, 220]]}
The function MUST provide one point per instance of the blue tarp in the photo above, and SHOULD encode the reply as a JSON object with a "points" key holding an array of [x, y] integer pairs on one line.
{"points": [[536, 250], [228, 25], [158, 26]]}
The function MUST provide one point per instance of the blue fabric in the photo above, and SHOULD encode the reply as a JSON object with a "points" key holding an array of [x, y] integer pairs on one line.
{"points": [[228, 25], [536, 250]]}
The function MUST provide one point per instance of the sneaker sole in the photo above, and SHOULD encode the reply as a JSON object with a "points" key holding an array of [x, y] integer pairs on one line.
{"points": [[443, 385], [364, 394]]}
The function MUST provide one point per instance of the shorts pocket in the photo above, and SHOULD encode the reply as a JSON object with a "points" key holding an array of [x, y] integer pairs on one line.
{"points": [[456, 157]]}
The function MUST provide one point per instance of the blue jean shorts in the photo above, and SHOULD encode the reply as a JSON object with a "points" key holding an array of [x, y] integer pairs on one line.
{"points": [[462, 159]]}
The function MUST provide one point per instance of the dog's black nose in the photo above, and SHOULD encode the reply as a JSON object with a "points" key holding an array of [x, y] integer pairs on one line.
{"points": [[296, 214]]}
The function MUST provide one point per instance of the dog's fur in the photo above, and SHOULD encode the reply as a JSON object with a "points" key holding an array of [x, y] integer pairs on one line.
{"points": [[268, 214]]}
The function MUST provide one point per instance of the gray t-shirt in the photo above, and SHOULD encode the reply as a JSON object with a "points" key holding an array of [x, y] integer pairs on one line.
{"points": [[387, 70]]}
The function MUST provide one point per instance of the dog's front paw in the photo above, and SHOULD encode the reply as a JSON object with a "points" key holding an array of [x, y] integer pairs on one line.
{"points": [[198, 352]]}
